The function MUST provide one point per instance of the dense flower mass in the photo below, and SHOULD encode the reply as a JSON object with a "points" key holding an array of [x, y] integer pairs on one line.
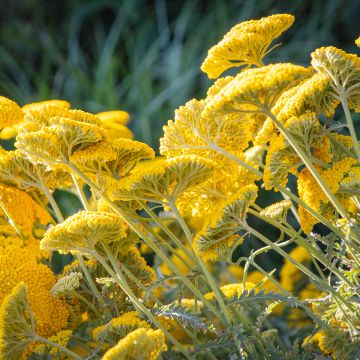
{"points": [[191, 254]]}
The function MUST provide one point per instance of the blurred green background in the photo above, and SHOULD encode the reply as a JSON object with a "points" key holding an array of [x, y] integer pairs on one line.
{"points": [[144, 56]]}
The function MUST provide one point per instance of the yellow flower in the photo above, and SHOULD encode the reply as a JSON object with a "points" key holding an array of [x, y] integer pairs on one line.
{"points": [[255, 89], [165, 182], [62, 338], [11, 116], [112, 158], [17, 170], [23, 209], [139, 344], [277, 210], [344, 71], [120, 326], [16, 328], [191, 133], [230, 290], [357, 41], [114, 122], [82, 231], [245, 44], [219, 232], [21, 263], [311, 193], [33, 106]]}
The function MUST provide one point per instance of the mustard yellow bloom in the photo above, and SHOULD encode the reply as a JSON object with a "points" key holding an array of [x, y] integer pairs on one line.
{"points": [[33, 106], [120, 326], [17, 170], [357, 41], [140, 344], [255, 89], [165, 182], [311, 193], [61, 338], [230, 290], [21, 264], [111, 158], [277, 210], [344, 71], [11, 116], [115, 124], [23, 209], [16, 329], [245, 44], [219, 232], [82, 231], [191, 133]]}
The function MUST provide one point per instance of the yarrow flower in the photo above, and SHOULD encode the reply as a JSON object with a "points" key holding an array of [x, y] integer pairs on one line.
{"points": [[141, 343], [245, 44]]}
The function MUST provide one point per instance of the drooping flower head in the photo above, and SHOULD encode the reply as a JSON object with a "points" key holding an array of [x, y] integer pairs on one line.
{"points": [[255, 89], [82, 231], [17, 326], [344, 71], [245, 44], [51, 134], [220, 231]]}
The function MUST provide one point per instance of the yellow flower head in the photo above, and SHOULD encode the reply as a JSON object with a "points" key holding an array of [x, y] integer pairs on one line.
{"points": [[23, 209], [56, 143], [22, 263], [114, 122], [61, 338], [11, 116], [165, 182], [34, 106], [120, 326], [112, 158], [344, 71], [245, 44], [219, 232], [139, 344], [82, 231], [357, 41], [277, 210], [230, 290], [255, 89], [311, 193], [191, 133], [17, 170], [16, 328]]}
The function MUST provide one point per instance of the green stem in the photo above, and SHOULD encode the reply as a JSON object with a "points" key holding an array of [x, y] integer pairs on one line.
{"points": [[302, 242], [300, 266], [53, 204], [119, 278], [87, 302], [350, 124], [210, 279], [57, 346], [80, 191], [168, 232], [325, 188]]}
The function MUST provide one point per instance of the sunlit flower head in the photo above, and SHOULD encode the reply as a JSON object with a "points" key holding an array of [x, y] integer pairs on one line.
{"points": [[245, 44]]}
